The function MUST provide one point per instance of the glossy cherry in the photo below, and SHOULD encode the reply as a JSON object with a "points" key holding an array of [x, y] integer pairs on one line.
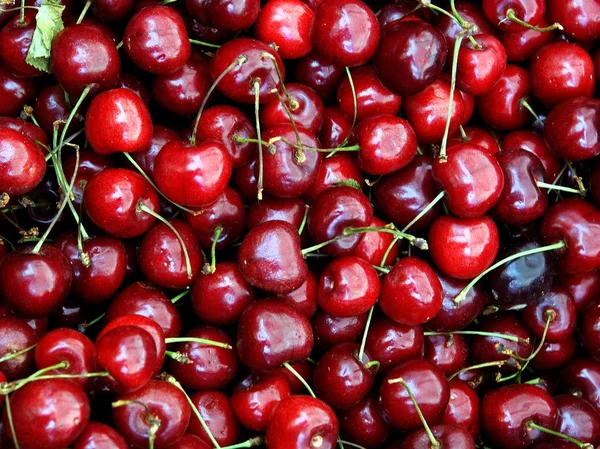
{"points": [[16, 336], [534, 143], [363, 424], [558, 307], [99, 436], [583, 287], [446, 435], [480, 67], [319, 73], [90, 163], [374, 246], [302, 102], [463, 408], [329, 330], [529, 11], [578, 18], [477, 136], [581, 377], [22, 164], [15, 41], [290, 210], [215, 408], [450, 353], [337, 168]]}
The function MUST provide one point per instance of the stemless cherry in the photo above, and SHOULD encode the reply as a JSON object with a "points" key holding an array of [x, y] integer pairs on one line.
{"points": [[15, 91], [290, 210], [583, 287], [329, 330], [51, 106], [161, 135], [463, 408], [581, 377], [363, 424], [534, 143], [577, 418], [319, 73], [578, 18], [22, 163]]}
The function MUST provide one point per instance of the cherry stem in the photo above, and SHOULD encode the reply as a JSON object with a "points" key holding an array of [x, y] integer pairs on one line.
{"points": [[64, 203], [374, 363], [349, 443], [119, 45], [434, 442], [240, 139], [203, 341], [427, 4], [577, 178], [535, 381], [11, 424], [443, 156], [532, 425], [462, 295], [481, 333], [179, 296], [214, 442], [210, 268], [299, 155], [463, 134], [26, 205], [550, 316], [205, 44], [361, 351], [260, 180], [256, 441], [525, 104], [388, 251], [180, 357], [546, 185], [427, 208], [188, 264], [510, 15], [22, 13], [303, 381], [237, 63], [497, 363], [331, 151], [354, 111], [141, 171], [456, 15], [83, 326], [415, 241], [15, 354], [84, 11], [304, 219]]}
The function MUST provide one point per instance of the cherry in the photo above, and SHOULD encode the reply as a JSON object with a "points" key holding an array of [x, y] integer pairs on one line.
{"points": [[557, 308], [390, 13], [16, 336], [290, 210], [470, 13], [426, 383], [528, 11], [190, 441], [304, 298], [301, 102], [446, 436], [48, 413], [335, 130], [215, 409], [156, 41], [427, 111], [523, 44], [501, 107], [161, 135], [83, 55], [524, 280], [581, 377], [90, 163], [192, 175], [534, 143], [449, 352], [336, 169], [22, 163], [28, 129], [99, 436], [51, 106], [463, 247], [452, 316], [287, 24], [562, 222], [15, 41], [158, 410], [34, 283], [510, 412], [348, 286], [300, 422], [329, 330], [578, 18], [577, 419], [560, 71], [340, 378], [226, 212], [183, 91], [304, 369], [480, 67], [588, 329], [410, 57], [572, 129], [463, 408], [69, 346], [271, 333], [373, 247], [99, 270], [244, 64], [224, 123], [255, 397], [231, 15], [583, 287], [555, 355], [319, 73], [270, 257], [15, 91], [363, 424], [112, 200], [334, 210], [205, 366]]}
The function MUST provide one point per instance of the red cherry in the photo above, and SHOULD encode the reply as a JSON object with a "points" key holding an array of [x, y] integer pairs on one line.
{"points": [[581, 377], [216, 410], [231, 15], [15, 92], [579, 18], [155, 40], [90, 163], [192, 175], [304, 298], [577, 418], [34, 132], [463, 247], [528, 11], [287, 24], [190, 441], [534, 143], [305, 370], [557, 306], [290, 210], [304, 104], [345, 31], [373, 246], [338, 168], [336, 128], [463, 408], [450, 353], [16, 335], [471, 13], [15, 41], [22, 163], [301, 421], [161, 135], [583, 287], [48, 413], [330, 330], [319, 73], [479, 68], [363, 424], [99, 436], [112, 200], [51, 106], [245, 180], [521, 45]]}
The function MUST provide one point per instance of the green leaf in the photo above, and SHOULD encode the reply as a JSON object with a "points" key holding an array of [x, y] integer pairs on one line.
{"points": [[48, 23], [349, 183]]}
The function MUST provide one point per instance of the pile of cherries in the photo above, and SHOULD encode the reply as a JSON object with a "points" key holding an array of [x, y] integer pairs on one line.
{"points": [[299, 224]]}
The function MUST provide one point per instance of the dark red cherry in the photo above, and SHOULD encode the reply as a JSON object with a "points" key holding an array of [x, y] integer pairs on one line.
{"points": [[206, 366], [244, 179], [260, 65], [463, 247], [288, 25], [363, 424], [112, 10], [583, 287], [48, 413], [534, 143], [411, 293], [319, 73], [51, 105], [230, 15], [144, 299], [193, 175], [558, 307], [579, 18], [34, 284], [500, 107], [15, 42], [468, 11], [15, 92], [336, 128], [305, 369], [270, 257], [588, 329], [226, 123], [28, 129], [346, 32], [304, 298], [410, 57], [577, 418], [374, 246], [190, 441], [555, 355], [330, 330], [155, 40], [476, 136], [448, 352], [99, 436], [290, 210], [508, 410], [523, 44], [162, 402], [255, 397], [90, 163], [560, 71], [215, 409], [427, 384], [581, 377], [572, 129], [390, 13], [528, 11], [479, 68], [112, 200], [335, 169], [563, 222], [161, 135], [302, 422], [83, 55], [463, 408], [16, 336], [372, 98], [22, 163], [271, 333], [334, 210], [302, 102]]}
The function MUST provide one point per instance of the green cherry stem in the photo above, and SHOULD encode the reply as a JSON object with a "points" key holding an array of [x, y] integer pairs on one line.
{"points": [[84, 11], [179, 296], [260, 180], [349, 443], [297, 375], [510, 15], [579, 444], [203, 341], [210, 268], [443, 156], [497, 363], [15, 354], [525, 104], [11, 424], [363, 342], [256, 441], [205, 44], [426, 209], [354, 110], [545, 185], [480, 333], [304, 219], [154, 421]]}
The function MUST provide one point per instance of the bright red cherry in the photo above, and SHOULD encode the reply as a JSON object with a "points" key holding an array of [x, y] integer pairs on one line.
{"points": [[523, 44], [17, 335], [15, 42], [579, 18], [22, 163], [528, 11], [476, 136], [215, 408], [479, 68], [100, 436], [337, 168], [583, 287], [464, 407], [374, 246], [304, 104]]}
